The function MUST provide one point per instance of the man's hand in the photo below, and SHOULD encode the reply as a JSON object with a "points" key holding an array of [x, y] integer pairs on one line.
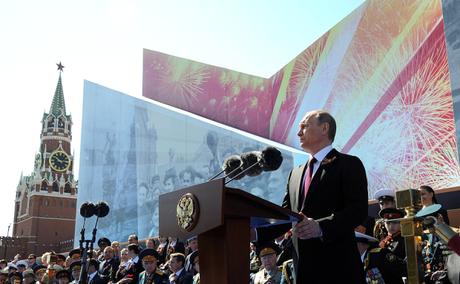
{"points": [[308, 228]]}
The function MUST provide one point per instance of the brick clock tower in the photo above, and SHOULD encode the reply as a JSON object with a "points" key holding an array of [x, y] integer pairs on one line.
{"points": [[45, 205]]}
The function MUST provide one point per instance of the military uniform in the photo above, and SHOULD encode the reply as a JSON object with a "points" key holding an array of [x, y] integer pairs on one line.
{"points": [[382, 196], [288, 272], [380, 232], [158, 277], [395, 242], [382, 266], [268, 252], [266, 277]]}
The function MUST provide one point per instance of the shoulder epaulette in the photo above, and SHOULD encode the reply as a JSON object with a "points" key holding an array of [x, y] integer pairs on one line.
{"points": [[375, 250], [159, 272]]}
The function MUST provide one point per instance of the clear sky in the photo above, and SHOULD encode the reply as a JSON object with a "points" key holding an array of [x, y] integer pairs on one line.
{"points": [[102, 41]]}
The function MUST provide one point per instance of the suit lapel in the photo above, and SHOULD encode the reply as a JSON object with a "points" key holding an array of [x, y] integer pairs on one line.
{"points": [[321, 172], [295, 187]]}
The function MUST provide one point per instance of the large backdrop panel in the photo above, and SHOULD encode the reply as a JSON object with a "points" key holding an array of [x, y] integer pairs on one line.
{"points": [[382, 72], [133, 150]]}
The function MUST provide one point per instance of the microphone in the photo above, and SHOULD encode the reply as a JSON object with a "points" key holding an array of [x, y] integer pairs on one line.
{"points": [[87, 209], [233, 167], [251, 163], [255, 162], [271, 159], [229, 166], [102, 209]]}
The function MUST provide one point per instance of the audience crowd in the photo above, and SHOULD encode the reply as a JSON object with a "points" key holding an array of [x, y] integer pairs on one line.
{"points": [[170, 260]]}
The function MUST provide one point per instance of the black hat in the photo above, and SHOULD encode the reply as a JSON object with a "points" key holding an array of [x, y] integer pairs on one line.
{"points": [[74, 251], [149, 255], [391, 213], [267, 248], [39, 267], [103, 241], [63, 273], [75, 264]]}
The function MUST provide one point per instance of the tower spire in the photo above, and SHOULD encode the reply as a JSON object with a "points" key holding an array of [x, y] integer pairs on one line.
{"points": [[58, 104]]}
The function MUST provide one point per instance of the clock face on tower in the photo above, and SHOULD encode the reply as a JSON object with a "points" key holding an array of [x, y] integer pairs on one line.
{"points": [[59, 161]]}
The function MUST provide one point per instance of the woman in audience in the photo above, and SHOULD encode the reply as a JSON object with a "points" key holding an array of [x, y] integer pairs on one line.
{"points": [[429, 198]]}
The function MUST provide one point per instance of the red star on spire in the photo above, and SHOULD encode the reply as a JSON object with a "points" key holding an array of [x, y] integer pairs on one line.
{"points": [[60, 66]]}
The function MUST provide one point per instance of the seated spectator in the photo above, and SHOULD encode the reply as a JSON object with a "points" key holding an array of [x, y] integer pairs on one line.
{"points": [[28, 276], [3, 263], [40, 271], [15, 277], [32, 261], [116, 249], [151, 243], [75, 269], [3, 276], [178, 274], [93, 276], [151, 273], [63, 276]]}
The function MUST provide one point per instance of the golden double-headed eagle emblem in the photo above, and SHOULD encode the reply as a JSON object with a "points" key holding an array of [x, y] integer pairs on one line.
{"points": [[187, 212]]}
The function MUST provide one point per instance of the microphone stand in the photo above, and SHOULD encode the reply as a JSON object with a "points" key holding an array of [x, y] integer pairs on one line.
{"points": [[216, 175], [88, 247], [242, 172], [84, 256]]}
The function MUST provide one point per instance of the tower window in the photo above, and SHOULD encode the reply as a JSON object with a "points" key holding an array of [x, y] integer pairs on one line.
{"points": [[55, 187], [51, 123], [44, 186], [67, 188]]}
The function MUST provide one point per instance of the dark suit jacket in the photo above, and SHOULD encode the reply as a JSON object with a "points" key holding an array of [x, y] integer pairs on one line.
{"points": [[338, 187], [184, 278], [134, 270], [108, 269], [96, 280]]}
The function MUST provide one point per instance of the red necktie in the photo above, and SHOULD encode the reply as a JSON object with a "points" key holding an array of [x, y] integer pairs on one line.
{"points": [[308, 178]]}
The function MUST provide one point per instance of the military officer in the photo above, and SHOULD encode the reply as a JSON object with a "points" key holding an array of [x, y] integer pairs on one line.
{"points": [[151, 274], [270, 273], [393, 241], [75, 269], [386, 199], [380, 264]]}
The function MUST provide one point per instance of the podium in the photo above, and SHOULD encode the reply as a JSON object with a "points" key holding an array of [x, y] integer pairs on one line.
{"points": [[221, 217]]}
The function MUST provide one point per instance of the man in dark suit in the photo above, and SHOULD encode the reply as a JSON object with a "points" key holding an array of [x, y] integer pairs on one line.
{"points": [[109, 266], [93, 276], [331, 185], [178, 273]]}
